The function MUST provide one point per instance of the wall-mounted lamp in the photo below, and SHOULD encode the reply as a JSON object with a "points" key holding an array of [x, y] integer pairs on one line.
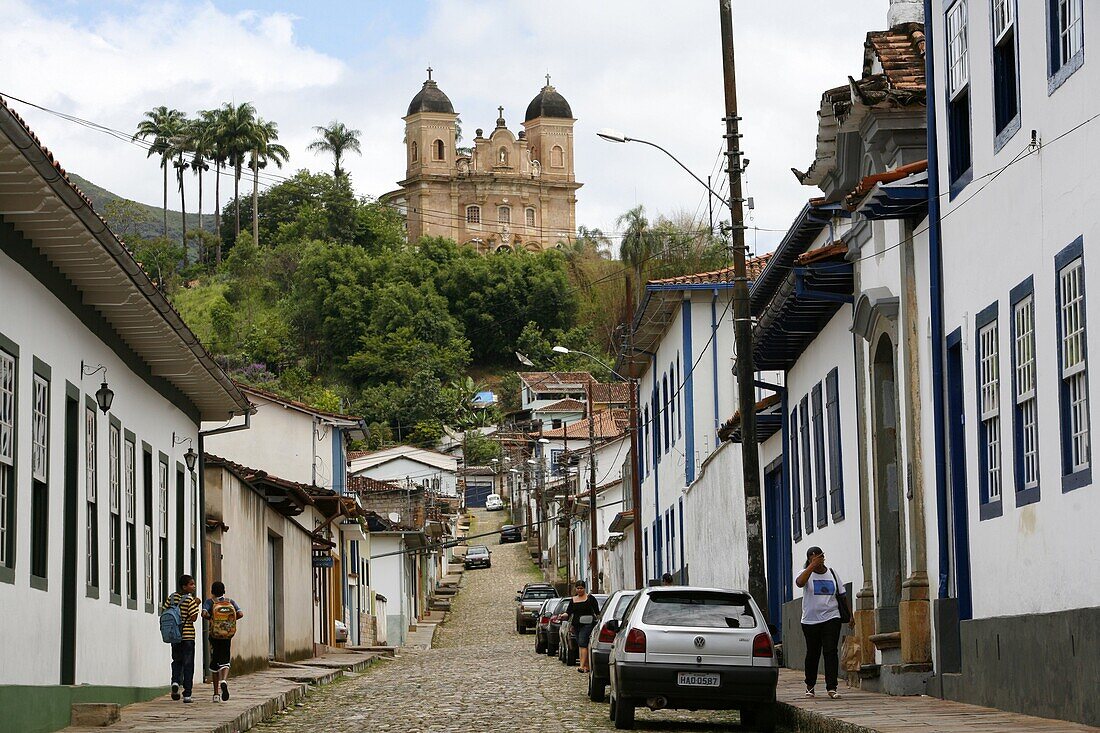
{"points": [[190, 457], [104, 396]]}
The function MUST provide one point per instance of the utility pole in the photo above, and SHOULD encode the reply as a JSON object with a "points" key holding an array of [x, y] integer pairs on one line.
{"points": [[635, 479], [593, 562], [742, 322]]}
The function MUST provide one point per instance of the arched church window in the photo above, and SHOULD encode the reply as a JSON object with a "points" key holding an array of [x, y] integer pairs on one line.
{"points": [[438, 149], [414, 152], [504, 215], [473, 214], [530, 216], [557, 157]]}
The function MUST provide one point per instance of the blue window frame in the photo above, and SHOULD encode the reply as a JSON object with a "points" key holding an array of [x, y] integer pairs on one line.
{"points": [[987, 356], [836, 462], [796, 496], [645, 547], [672, 402], [807, 465], [1006, 72], [683, 569], [820, 493], [645, 444], [665, 409], [1025, 410], [658, 555], [960, 158], [1069, 265], [680, 399], [1065, 41]]}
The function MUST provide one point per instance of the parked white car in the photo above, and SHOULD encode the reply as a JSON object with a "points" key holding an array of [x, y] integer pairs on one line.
{"points": [[696, 649], [494, 503]]}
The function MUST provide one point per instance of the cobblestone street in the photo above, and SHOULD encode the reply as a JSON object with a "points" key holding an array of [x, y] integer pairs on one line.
{"points": [[480, 677]]}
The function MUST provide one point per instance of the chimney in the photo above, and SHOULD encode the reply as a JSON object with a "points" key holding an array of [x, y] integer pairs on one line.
{"points": [[905, 11]]}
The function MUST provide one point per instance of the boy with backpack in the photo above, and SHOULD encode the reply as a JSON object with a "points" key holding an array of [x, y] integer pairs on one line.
{"points": [[222, 613], [177, 627]]}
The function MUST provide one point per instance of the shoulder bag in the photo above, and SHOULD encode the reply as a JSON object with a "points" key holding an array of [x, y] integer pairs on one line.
{"points": [[841, 601]]}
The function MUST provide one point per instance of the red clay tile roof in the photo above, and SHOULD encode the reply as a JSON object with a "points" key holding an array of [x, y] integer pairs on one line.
{"points": [[754, 266], [566, 405], [608, 424], [549, 381], [836, 249], [900, 52], [616, 393], [365, 483], [728, 426], [853, 199]]}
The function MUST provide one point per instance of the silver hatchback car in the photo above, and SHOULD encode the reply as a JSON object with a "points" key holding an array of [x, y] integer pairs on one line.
{"points": [[695, 649]]}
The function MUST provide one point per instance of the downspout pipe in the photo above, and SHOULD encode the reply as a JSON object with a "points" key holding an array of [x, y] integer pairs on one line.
{"points": [[202, 499], [935, 288]]}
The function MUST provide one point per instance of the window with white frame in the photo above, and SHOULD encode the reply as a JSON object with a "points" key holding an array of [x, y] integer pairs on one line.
{"points": [[958, 88], [1071, 288], [40, 429], [990, 397], [91, 490], [129, 478], [958, 53], [148, 565], [1027, 413], [1070, 29], [162, 524], [7, 457], [504, 215], [473, 214], [530, 214], [1006, 98], [114, 469], [1004, 13]]}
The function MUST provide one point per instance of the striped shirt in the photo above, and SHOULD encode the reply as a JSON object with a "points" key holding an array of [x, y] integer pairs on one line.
{"points": [[189, 611]]}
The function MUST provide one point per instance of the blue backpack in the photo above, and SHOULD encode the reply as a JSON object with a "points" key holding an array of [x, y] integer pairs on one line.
{"points": [[171, 624]]}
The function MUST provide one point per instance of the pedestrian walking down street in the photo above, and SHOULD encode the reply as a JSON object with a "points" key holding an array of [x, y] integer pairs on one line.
{"points": [[183, 603], [223, 614], [582, 611], [824, 608]]}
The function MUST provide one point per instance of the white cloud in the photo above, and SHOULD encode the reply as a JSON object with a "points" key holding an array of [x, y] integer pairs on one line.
{"points": [[651, 69]]}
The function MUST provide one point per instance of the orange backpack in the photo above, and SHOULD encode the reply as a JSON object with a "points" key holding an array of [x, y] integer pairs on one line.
{"points": [[223, 619]]}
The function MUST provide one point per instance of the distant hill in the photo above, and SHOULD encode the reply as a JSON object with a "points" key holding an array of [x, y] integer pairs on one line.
{"points": [[149, 222]]}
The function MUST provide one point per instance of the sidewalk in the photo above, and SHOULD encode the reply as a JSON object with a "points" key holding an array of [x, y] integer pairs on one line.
{"points": [[255, 698], [868, 712]]}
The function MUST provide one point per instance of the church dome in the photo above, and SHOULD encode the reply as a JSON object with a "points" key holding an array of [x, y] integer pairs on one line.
{"points": [[548, 103], [430, 98]]}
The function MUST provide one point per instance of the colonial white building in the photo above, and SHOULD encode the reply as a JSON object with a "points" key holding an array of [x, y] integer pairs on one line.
{"points": [[435, 471], [1015, 107], [99, 505]]}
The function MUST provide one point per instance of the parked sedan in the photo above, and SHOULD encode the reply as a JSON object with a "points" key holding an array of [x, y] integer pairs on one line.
{"points": [[542, 622], [696, 649], [494, 503], [567, 650], [599, 648], [553, 627], [529, 601], [510, 533], [478, 556]]}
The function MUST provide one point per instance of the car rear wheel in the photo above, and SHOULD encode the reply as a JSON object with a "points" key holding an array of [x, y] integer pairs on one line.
{"points": [[622, 713], [596, 688], [760, 719]]}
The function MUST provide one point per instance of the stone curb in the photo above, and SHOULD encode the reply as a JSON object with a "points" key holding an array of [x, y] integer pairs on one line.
{"points": [[806, 721]]}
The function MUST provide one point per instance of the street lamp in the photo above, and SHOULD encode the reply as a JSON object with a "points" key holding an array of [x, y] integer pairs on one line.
{"points": [[614, 136]]}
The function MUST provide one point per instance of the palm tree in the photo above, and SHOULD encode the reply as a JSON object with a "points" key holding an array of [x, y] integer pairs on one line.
{"points": [[236, 135], [638, 240], [202, 146], [336, 139], [594, 240], [264, 150], [159, 127], [180, 146]]}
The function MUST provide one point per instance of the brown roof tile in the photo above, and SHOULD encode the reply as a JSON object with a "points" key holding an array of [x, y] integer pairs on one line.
{"points": [[566, 405], [615, 393], [753, 266], [548, 381], [608, 424]]}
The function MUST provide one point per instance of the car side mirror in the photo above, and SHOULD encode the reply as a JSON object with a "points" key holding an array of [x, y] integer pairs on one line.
{"points": [[519, 597], [612, 625]]}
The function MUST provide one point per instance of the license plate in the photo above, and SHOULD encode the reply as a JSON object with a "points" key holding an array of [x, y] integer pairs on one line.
{"points": [[699, 679]]}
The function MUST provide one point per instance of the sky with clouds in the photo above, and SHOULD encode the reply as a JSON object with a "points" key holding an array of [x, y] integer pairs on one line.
{"points": [[651, 69]]}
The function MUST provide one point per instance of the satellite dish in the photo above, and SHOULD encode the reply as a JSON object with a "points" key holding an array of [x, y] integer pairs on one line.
{"points": [[395, 517]]}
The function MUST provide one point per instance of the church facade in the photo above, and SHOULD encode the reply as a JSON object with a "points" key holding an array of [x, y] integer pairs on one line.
{"points": [[507, 192]]}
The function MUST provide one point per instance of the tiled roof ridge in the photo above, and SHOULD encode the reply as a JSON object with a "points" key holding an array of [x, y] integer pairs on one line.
{"points": [[373, 484], [753, 266], [562, 404], [250, 474], [292, 402], [867, 183]]}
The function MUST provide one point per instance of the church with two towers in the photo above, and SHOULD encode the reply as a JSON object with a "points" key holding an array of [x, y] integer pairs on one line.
{"points": [[507, 192]]}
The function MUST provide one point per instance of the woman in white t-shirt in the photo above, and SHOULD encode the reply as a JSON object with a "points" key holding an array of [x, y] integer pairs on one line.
{"points": [[821, 610]]}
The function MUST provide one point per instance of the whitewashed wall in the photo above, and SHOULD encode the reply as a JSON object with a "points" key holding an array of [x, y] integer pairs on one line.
{"points": [[132, 655], [404, 467], [715, 522]]}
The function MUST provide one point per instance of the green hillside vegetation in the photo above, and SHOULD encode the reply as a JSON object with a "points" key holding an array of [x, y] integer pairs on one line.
{"points": [[131, 219]]}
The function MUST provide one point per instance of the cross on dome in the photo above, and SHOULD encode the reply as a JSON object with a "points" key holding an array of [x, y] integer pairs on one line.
{"points": [[429, 73]]}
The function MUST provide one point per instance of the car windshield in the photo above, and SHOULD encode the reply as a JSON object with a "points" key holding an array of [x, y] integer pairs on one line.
{"points": [[478, 550], [539, 594], [709, 609]]}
